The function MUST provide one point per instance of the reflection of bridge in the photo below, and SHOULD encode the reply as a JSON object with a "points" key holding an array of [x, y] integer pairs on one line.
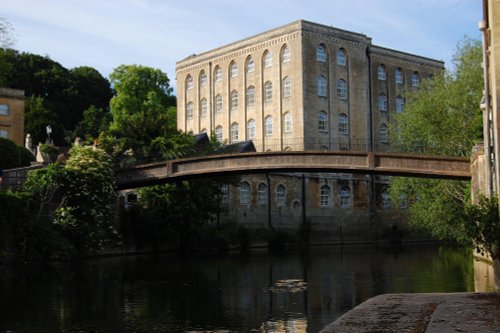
{"points": [[395, 164]]}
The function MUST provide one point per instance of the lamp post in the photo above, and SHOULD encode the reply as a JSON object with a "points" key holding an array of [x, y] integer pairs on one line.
{"points": [[49, 132]]}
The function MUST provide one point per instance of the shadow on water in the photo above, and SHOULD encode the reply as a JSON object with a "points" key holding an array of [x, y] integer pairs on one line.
{"points": [[290, 291]]}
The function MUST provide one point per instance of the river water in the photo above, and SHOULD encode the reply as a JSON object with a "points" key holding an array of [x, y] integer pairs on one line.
{"points": [[258, 292]]}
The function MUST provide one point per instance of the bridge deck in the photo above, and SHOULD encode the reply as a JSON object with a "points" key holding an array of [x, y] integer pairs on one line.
{"points": [[394, 164]]}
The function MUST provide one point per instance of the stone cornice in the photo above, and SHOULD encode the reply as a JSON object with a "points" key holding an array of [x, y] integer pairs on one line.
{"points": [[385, 55]]}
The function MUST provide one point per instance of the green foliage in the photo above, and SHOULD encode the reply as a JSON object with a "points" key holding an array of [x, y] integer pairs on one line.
{"points": [[444, 113], [37, 117], [25, 156], [95, 120], [482, 226], [9, 156]]}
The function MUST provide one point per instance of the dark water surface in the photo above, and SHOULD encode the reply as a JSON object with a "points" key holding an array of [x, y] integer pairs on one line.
{"points": [[257, 292]]}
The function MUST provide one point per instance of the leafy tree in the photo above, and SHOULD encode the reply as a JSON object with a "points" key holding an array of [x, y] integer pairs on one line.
{"points": [[9, 157], [443, 113], [7, 37], [95, 120], [37, 117]]}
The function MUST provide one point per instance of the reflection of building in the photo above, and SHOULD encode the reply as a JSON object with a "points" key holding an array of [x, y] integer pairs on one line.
{"points": [[298, 87], [12, 115]]}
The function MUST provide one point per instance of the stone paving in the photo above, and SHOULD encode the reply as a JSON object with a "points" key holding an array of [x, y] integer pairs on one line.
{"points": [[422, 313]]}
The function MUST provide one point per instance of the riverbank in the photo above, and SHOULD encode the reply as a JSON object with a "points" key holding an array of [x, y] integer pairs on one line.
{"points": [[422, 313]]}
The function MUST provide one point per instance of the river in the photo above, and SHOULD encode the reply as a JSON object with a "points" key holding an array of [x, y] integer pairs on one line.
{"points": [[290, 291]]}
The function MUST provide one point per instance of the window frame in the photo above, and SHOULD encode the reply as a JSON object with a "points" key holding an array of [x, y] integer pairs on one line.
{"points": [[5, 110], [345, 196], [268, 91], [268, 125], [234, 100], [281, 195], [235, 129], [286, 55], [287, 86], [244, 193], [400, 104], [398, 76], [323, 122], [341, 57], [322, 83], [250, 95], [415, 80], [233, 69], [324, 196], [219, 132], [203, 79], [381, 72], [343, 124], [218, 74], [203, 107], [268, 59], [341, 89], [262, 194], [382, 102], [189, 110], [218, 103], [287, 121], [250, 65], [383, 134], [251, 128], [321, 54]]}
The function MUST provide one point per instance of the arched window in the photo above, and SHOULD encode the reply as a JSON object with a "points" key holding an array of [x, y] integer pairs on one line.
{"points": [[341, 59], [269, 125], [400, 104], [189, 110], [218, 74], [204, 108], [382, 102], [234, 100], [218, 133], [189, 82], [341, 89], [322, 86], [218, 103], [203, 79], [285, 54], [381, 72], [415, 80], [268, 91], [235, 128], [345, 197], [322, 121], [250, 64], [251, 129], [250, 95], [268, 59], [321, 53], [384, 134], [398, 76], [262, 194], [343, 124], [244, 193], [287, 87], [287, 119], [281, 195], [324, 199], [234, 69]]}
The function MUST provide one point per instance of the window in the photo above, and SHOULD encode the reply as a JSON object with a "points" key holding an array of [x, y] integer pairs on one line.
{"points": [[343, 124], [204, 108], [322, 86], [384, 134], [287, 87], [324, 200], [400, 104], [189, 82], [262, 191], [250, 65], [381, 72], [321, 53], [269, 125], [218, 74], [398, 76], [285, 55], [341, 61], [281, 195], [415, 81], [189, 110], [203, 79], [4, 134], [218, 103], [386, 200], [234, 100], [224, 192], [218, 133], [382, 102], [234, 132], [234, 69], [4, 110], [268, 59], [322, 121], [244, 193], [287, 119], [251, 129], [341, 89], [345, 196], [268, 91], [250, 95]]}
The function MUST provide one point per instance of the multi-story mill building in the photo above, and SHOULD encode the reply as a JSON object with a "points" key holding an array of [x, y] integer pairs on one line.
{"points": [[301, 86]]}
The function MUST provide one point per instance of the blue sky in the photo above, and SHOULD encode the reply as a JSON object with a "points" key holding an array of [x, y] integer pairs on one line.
{"points": [[107, 33]]}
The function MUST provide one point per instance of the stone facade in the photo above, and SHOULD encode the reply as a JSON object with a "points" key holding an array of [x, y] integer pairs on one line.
{"points": [[301, 86], [12, 115]]}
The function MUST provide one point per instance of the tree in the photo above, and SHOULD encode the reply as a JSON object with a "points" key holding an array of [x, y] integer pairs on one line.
{"points": [[444, 113], [37, 117], [13, 156], [7, 38], [95, 120]]}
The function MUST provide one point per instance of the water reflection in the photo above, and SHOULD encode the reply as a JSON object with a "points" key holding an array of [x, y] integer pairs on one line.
{"points": [[287, 292]]}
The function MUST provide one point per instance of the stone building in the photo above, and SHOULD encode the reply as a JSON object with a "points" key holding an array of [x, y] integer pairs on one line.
{"points": [[302, 86], [12, 115]]}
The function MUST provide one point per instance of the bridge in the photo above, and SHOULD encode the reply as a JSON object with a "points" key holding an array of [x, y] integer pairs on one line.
{"points": [[381, 163]]}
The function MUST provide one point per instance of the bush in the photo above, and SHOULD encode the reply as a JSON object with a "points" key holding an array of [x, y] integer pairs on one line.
{"points": [[25, 156], [9, 156]]}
